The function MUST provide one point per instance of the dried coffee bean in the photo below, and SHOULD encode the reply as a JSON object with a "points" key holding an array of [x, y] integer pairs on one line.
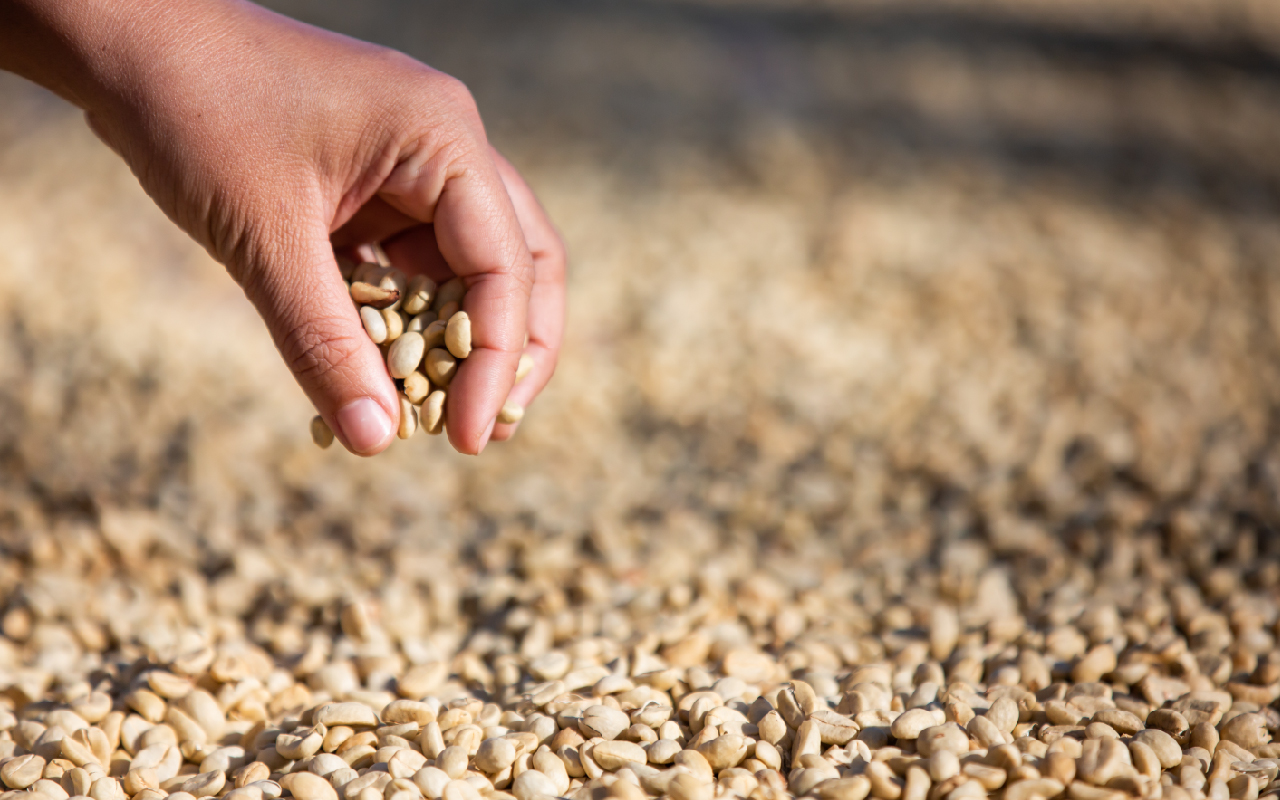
{"points": [[447, 311], [406, 355], [321, 434], [394, 321], [450, 292], [457, 335], [432, 416], [374, 324], [416, 387], [419, 322], [523, 368], [510, 413], [434, 334], [440, 366], [408, 418], [418, 295], [378, 298]]}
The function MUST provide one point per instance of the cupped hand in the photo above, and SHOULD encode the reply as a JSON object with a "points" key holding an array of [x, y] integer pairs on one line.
{"points": [[271, 142]]}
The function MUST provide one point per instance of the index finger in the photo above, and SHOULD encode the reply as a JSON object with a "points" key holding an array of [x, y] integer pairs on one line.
{"points": [[480, 237]]}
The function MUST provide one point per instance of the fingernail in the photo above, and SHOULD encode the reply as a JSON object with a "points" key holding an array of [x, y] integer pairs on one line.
{"points": [[365, 424], [484, 440]]}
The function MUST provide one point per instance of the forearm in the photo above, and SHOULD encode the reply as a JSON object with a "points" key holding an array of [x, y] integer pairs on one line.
{"points": [[37, 42], [97, 53]]}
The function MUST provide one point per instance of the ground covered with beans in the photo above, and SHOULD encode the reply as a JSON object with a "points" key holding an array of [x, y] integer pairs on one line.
{"points": [[915, 436]]}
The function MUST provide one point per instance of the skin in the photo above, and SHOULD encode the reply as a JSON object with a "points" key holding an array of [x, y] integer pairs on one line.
{"points": [[271, 143]]}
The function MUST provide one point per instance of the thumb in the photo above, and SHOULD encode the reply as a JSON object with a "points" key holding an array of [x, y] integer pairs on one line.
{"points": [[299, 293]]}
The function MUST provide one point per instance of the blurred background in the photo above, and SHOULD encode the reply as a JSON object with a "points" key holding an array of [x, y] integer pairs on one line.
{"points": [[873, 301]]}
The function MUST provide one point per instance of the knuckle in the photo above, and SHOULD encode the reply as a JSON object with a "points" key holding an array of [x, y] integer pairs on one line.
{"points": [[455, 149], [316, 347], [396, 61], [439, 106], [456, 95]]}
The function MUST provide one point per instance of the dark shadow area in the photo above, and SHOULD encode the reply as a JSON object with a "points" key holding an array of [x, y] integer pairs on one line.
{"points": [[1121, 111], [975, 30]]}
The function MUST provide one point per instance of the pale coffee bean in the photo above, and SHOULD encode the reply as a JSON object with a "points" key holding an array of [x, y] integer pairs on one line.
{"points": [[349, 714], [206, 784], [441, 366], [434, 333], [457, 335], [617, 754], [408, 418], [374, 324], [524, 367], [405, 355], [416, 387], [419, 293], [1247, 730], [724, 752], [450, 292], [432, 416], [419, 322], [22, 771], [495, 755], [308, 786], [910, 724], [510, 413], [395, 322], [447, 311]]}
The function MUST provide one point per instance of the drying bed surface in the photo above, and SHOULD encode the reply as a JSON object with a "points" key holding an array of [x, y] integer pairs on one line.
{"points": [[915, 435]]}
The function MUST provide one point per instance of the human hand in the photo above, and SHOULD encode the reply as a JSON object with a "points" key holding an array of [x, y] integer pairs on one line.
{"points": [[412, 247], [270, 142]]}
